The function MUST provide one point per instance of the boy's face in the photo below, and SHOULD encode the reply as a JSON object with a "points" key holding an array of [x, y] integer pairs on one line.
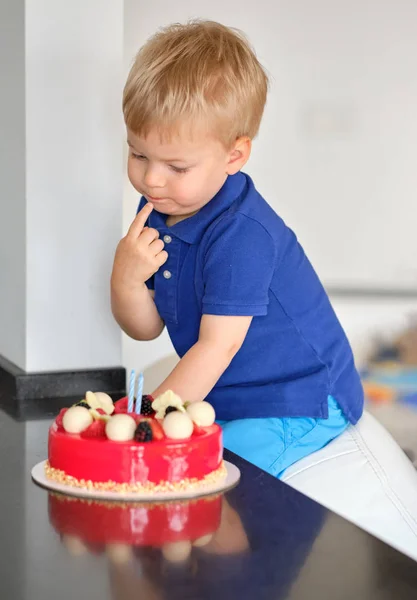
{"points": [[181, 175]]}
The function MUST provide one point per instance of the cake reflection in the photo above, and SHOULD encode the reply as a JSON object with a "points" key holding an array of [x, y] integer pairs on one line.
{"points": [[92, 526]]}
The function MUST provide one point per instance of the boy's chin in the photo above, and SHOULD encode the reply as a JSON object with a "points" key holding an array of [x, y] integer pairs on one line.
{"points": [[164, 210], [170, 212]]}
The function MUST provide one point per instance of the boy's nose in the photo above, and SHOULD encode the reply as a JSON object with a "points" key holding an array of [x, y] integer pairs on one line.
{"points": [[154, 177]]}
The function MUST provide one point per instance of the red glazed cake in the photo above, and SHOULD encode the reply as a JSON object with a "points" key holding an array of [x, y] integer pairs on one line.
{"points": [[172, 447]]}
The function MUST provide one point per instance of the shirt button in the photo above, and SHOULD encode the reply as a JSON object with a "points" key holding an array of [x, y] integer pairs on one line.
{"points": [[167, 274], [167, 239]]}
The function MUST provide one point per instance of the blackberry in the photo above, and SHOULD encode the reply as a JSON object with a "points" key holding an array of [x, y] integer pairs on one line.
{"points": [[143, 432], [146, 408], [170, 409], [83, 404]]}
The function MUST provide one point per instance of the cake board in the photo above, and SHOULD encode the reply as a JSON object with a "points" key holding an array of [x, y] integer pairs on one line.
{"points": [[230, 481]]}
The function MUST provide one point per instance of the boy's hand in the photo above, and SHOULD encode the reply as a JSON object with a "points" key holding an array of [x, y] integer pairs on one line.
{"points": [[139, 254]]}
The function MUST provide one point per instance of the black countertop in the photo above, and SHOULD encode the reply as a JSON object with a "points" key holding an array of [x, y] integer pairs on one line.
{"points": [[272, 543]]}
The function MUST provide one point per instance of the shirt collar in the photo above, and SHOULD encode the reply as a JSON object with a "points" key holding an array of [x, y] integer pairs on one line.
{"points": [[192, 229]]}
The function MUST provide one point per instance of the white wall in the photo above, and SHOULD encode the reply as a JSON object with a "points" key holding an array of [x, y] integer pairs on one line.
{"points": [[74, 54], [336, 151], [346, 129], [61, 181], [12, 181]]}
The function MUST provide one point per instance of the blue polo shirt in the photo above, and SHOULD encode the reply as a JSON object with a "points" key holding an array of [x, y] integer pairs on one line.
{"points": [[236, 256]]}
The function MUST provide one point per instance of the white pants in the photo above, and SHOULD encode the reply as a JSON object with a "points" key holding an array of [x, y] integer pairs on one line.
{"points": [[364, 476]]}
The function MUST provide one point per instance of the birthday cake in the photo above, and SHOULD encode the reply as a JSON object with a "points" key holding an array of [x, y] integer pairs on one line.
{"points": [[92, 526], [162, 445]]}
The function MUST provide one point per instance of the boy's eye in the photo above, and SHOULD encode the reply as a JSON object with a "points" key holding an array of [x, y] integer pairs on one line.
{"points": [[180, 169], [138, 156]]}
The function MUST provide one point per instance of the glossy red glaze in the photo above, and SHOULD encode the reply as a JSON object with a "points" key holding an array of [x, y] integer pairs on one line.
{"points": [[138, 525], [101, 460]]}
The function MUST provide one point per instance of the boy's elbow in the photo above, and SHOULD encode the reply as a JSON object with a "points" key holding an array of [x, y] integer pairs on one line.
{"points": [[150, 337], [141, 334], [145, 336]]}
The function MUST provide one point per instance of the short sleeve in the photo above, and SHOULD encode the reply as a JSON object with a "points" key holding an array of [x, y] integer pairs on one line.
{"points": [[150, 283], [239, 263]]}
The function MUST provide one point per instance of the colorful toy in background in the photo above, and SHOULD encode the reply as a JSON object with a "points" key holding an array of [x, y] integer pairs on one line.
{"points": [[391, 375]]}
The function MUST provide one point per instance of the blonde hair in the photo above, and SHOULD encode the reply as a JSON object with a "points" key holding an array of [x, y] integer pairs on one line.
{"points": [[201, 72]]}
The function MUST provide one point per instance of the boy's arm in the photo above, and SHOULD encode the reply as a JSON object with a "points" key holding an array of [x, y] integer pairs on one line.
{"points": [[136, 312], [138, 256], [201, 367]]}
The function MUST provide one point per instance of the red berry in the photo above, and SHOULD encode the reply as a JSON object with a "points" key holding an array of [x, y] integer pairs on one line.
{"points": [[157, 431], [97, 429], [59, 418], [198, 430], [121, 406]]}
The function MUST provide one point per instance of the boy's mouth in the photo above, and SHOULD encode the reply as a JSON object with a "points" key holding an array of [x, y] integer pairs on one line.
{"points": [[153, 199]]}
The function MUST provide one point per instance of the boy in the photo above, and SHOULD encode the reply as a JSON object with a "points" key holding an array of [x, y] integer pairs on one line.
{"points": [[208, 258]]}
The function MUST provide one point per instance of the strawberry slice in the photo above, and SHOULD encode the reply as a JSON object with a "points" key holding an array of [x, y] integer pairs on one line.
{"points": [[120, 406], [198, 430], [157, 431], [59, 418], [97, 430]]}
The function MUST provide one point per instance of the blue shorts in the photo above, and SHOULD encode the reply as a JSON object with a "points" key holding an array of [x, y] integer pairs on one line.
{"points": [[274, 444]]}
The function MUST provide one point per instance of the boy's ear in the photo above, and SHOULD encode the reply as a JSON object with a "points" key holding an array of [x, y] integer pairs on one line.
{"points": [[239, 155]]}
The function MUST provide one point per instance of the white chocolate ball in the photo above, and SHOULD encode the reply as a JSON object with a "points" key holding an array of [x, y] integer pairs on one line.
{"points": [[76, 419], [106, 403], [203, 540], [177, 552], [74, 545], [119, 553], [177, 425], [121, 428], [202, 413]]}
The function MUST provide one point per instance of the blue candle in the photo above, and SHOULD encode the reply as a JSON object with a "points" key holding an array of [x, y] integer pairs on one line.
{"points": [[131, 391], [139, 394]]}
